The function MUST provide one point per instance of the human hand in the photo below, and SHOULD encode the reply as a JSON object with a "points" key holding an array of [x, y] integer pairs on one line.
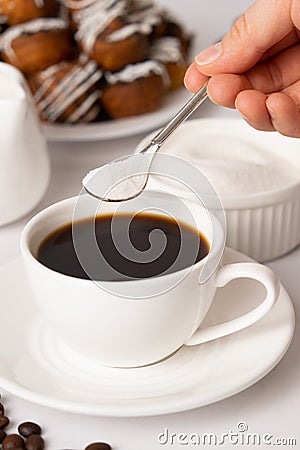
{"points": [[256, 67]]}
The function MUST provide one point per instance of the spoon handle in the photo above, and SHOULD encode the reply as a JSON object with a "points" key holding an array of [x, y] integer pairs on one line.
{"points": [[181, 116]]}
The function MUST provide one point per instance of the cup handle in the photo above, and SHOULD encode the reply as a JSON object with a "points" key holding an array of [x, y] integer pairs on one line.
{"points": [[257, 272]]}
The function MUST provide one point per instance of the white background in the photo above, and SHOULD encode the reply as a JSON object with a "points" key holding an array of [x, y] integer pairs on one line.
{"points": [[270, 406]]}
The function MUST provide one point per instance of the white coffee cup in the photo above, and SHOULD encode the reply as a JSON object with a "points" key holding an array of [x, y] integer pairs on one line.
{"points": [[137, 322]]}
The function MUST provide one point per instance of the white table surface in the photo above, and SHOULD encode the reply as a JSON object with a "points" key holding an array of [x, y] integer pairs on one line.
{"points": [[270, 406]]}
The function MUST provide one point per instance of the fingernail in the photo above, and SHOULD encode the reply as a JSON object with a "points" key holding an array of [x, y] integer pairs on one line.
{"points": [[209, 55], [271, 112]]}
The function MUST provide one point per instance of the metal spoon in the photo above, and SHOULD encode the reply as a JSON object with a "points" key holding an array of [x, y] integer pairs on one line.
{"points": [[126, 178]]}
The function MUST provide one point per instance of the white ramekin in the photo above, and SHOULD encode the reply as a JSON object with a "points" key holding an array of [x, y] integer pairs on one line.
{"points": [[263, 225]]}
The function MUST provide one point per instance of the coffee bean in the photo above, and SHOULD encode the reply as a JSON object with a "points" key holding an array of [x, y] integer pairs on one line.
{"points": [[34, 442], [2, 435], [98, 446], [12, 441], [28, 428], [4, 421], [32, 431]]}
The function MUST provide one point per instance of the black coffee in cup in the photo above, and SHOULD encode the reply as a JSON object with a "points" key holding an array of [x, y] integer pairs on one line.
{"points": [[130, 247]]}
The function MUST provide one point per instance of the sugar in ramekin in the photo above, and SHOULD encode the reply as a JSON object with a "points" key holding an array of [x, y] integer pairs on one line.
{"points": [[263, 224]]}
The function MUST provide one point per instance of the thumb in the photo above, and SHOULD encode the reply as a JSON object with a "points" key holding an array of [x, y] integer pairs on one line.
{"points": [[262, 26]]}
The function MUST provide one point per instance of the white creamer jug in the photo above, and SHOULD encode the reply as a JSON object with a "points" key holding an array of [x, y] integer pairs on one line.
{"points": [[24, 163]]}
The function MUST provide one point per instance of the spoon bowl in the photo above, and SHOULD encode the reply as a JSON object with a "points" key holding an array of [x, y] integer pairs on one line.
{"points": [[127, 177]]}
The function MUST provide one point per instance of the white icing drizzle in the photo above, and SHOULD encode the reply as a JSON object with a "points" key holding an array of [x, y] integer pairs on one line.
{"points": [[94, 24], [83, 58], [92, 114], [140, 70], [97, 17], [66, 96], [152, 16], [94, 8], [48, 77], [85, 107], [39, 3], [50, 71], [74, 84], [167, 50], [31, 27], [80, 4], [59, 106], [129, 30]]}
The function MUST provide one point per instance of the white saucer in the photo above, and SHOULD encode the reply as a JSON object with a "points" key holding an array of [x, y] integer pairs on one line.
{"points": [[36, 367]]}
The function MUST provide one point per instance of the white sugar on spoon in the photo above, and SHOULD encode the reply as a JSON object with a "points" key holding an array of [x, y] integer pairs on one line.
{"points": [[126, 178]]}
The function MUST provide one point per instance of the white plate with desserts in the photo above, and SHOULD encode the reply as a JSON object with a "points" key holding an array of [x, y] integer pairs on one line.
{"points": [[36, 366], [118, 128], [94, 60]]}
